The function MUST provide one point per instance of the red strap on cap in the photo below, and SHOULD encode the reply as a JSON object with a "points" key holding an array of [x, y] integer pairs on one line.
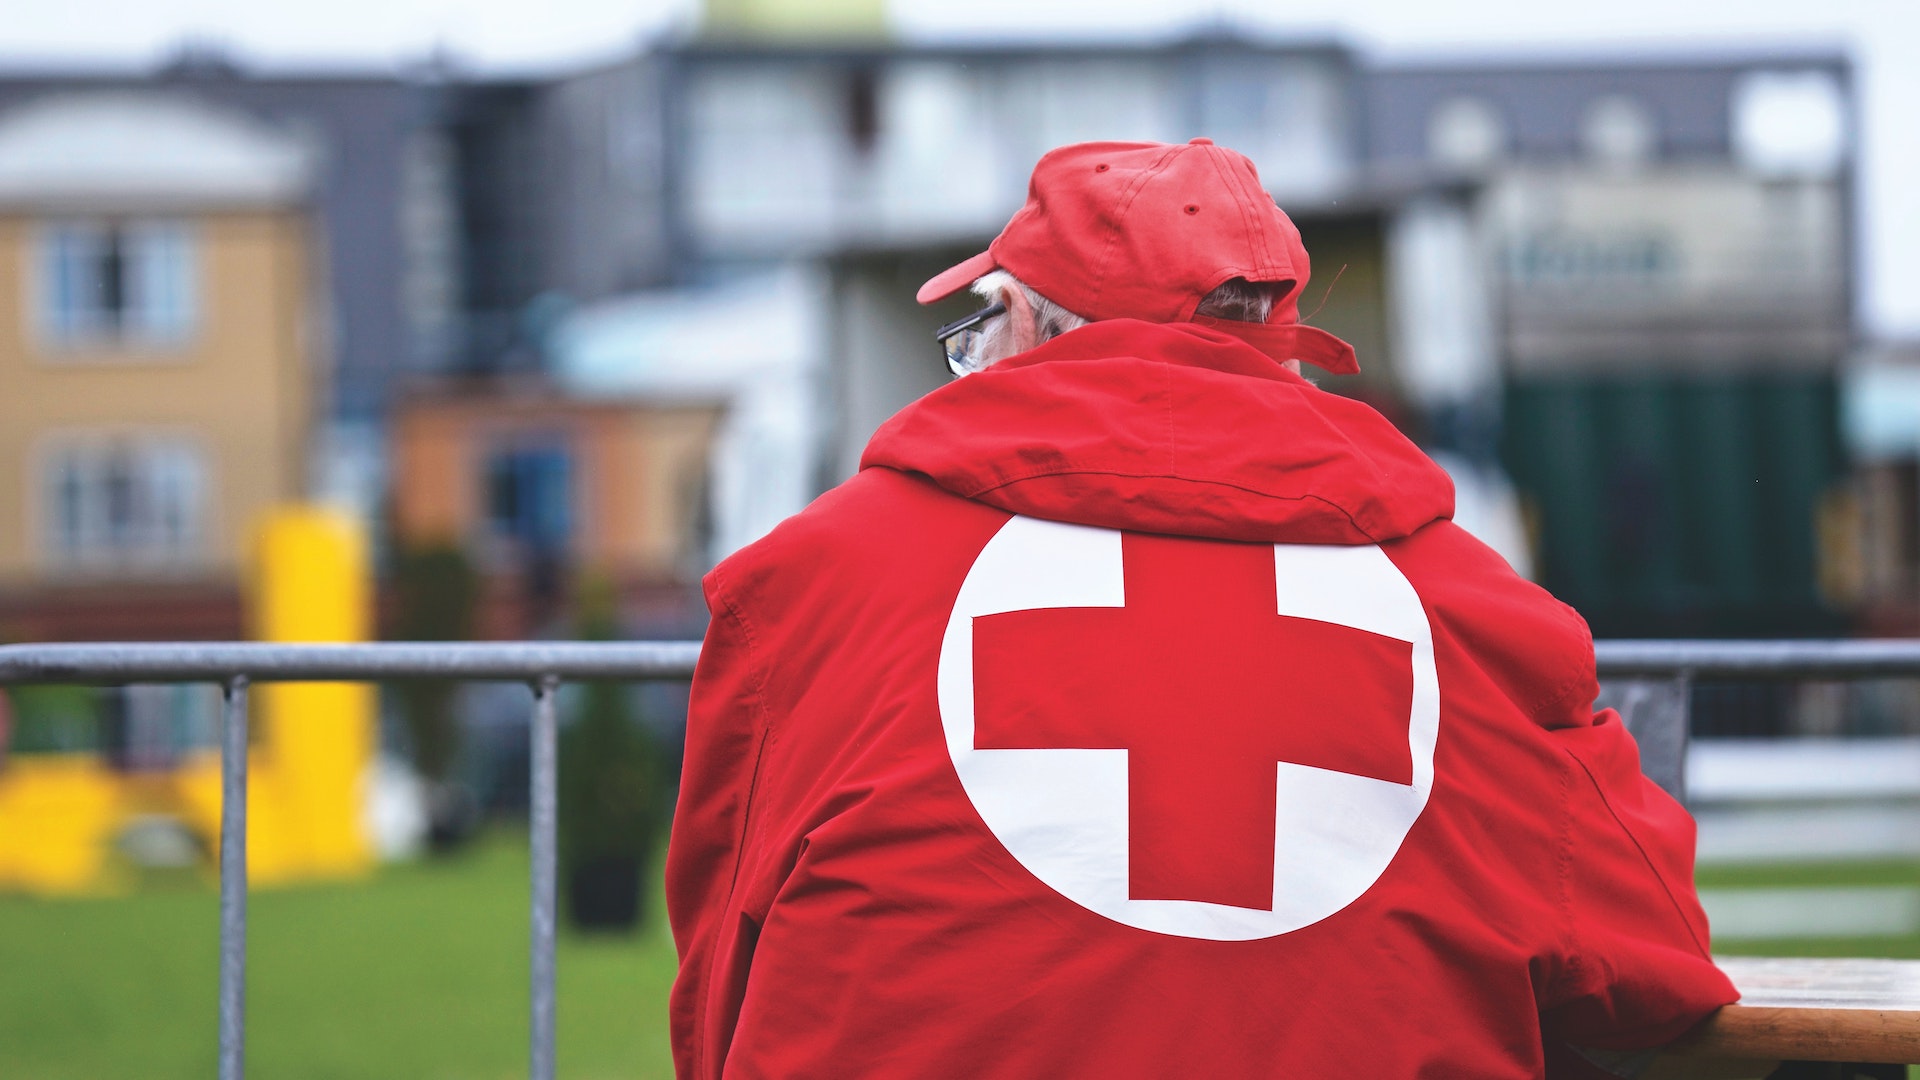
{"points": [[1290, 341]]}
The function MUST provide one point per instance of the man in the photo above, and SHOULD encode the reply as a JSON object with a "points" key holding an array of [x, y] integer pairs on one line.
{"points": [[1138, 712]]}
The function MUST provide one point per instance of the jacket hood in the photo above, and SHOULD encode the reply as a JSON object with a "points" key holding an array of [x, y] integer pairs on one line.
{"points": [[1167, 428]]}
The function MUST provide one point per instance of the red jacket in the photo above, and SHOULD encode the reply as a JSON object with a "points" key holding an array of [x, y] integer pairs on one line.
{"points": [[1138, 711]]}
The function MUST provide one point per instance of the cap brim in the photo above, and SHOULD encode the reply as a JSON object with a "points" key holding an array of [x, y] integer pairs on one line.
{"points": [[955, 278]]}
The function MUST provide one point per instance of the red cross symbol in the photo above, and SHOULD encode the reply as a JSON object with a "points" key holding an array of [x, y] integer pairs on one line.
{"points": [[1207, 688]]}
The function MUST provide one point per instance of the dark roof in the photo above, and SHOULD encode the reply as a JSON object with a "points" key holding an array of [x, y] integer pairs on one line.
{"points": [[1543, 101]]}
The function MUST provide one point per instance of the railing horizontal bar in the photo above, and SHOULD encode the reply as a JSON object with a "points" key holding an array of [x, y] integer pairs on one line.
{"points": [[530, 661], [112, 663], [1704, 660]]}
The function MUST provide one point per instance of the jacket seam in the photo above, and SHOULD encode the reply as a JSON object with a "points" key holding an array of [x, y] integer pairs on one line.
{"points": [[1576, 963], [1561, 694], [1166, 382], [1679, 911], [759, 681], [1037, 474], [757, 678]]}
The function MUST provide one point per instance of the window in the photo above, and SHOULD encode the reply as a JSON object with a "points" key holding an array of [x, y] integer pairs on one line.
{"points": [[1619, 132], [528, 497], [1790, 123], [118, 284], [132, 503], [1466, 134], [863, 109]]}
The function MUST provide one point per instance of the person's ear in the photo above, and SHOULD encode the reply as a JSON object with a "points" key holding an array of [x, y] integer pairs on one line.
{"points": [[1020, 319]]}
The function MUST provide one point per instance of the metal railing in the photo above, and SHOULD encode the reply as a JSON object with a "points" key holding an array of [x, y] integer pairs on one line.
{"points": [[236, 666], [1744, 660], [1651, 683], [1651, 679]]}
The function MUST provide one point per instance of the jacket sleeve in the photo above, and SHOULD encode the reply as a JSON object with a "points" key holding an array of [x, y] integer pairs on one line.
{"points": [[726, 728], [1636, 972]]}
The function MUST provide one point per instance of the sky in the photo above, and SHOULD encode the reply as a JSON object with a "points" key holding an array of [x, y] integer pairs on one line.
{"points": [[521, 35]]}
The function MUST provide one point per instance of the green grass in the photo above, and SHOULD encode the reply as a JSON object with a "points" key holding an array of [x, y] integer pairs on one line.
{"points": [[419, 973], [1803, 875], [1787, 875]]}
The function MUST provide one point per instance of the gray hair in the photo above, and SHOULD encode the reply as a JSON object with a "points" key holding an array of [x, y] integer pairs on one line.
{"points": [[1241, 300], [1236, 298], [1050, 320]]}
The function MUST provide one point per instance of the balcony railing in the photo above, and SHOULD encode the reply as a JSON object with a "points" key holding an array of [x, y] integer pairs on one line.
{"points": [[1648, 680]]}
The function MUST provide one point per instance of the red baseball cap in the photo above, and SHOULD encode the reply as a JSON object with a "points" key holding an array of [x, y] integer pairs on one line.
{"points": [[1116, 230]]}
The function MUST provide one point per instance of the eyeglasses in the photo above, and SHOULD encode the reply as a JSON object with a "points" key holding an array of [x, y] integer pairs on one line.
{"points": [[960, 340]]}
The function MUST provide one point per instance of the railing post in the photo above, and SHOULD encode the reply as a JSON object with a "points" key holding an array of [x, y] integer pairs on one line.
{"points": [[544, 816], [1681, 687], [233, 882], [1658, 713]]}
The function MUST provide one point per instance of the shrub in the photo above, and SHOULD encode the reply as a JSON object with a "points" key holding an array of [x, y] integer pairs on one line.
{"points": [[612, 794]]}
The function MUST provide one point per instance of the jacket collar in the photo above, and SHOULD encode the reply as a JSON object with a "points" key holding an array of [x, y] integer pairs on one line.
{"points": [[1169, 428]]}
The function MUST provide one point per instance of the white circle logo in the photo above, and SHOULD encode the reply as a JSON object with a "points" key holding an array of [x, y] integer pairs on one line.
{"points": [[1193, 737]]}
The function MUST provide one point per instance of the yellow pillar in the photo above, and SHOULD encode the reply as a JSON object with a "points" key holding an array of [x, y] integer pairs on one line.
{"points": [[315, 743]]}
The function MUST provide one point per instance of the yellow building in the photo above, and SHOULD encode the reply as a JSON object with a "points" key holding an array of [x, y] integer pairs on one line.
{"points": [[156, 280]]}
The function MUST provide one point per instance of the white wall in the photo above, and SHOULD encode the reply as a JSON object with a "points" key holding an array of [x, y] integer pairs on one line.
{"points": [[772, 166]]}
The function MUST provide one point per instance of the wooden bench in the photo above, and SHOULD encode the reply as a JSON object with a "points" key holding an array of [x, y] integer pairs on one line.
{"points": [[1805, 1010]]}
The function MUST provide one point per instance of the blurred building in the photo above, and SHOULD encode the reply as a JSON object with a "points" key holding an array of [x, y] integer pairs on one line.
{"points": [[608, 211], [1615, 296], [156, 314], [1872, 524], [1665, 251], [560, 199], [1625, 285], [384, 250], [535, 486], [221, 280]]}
